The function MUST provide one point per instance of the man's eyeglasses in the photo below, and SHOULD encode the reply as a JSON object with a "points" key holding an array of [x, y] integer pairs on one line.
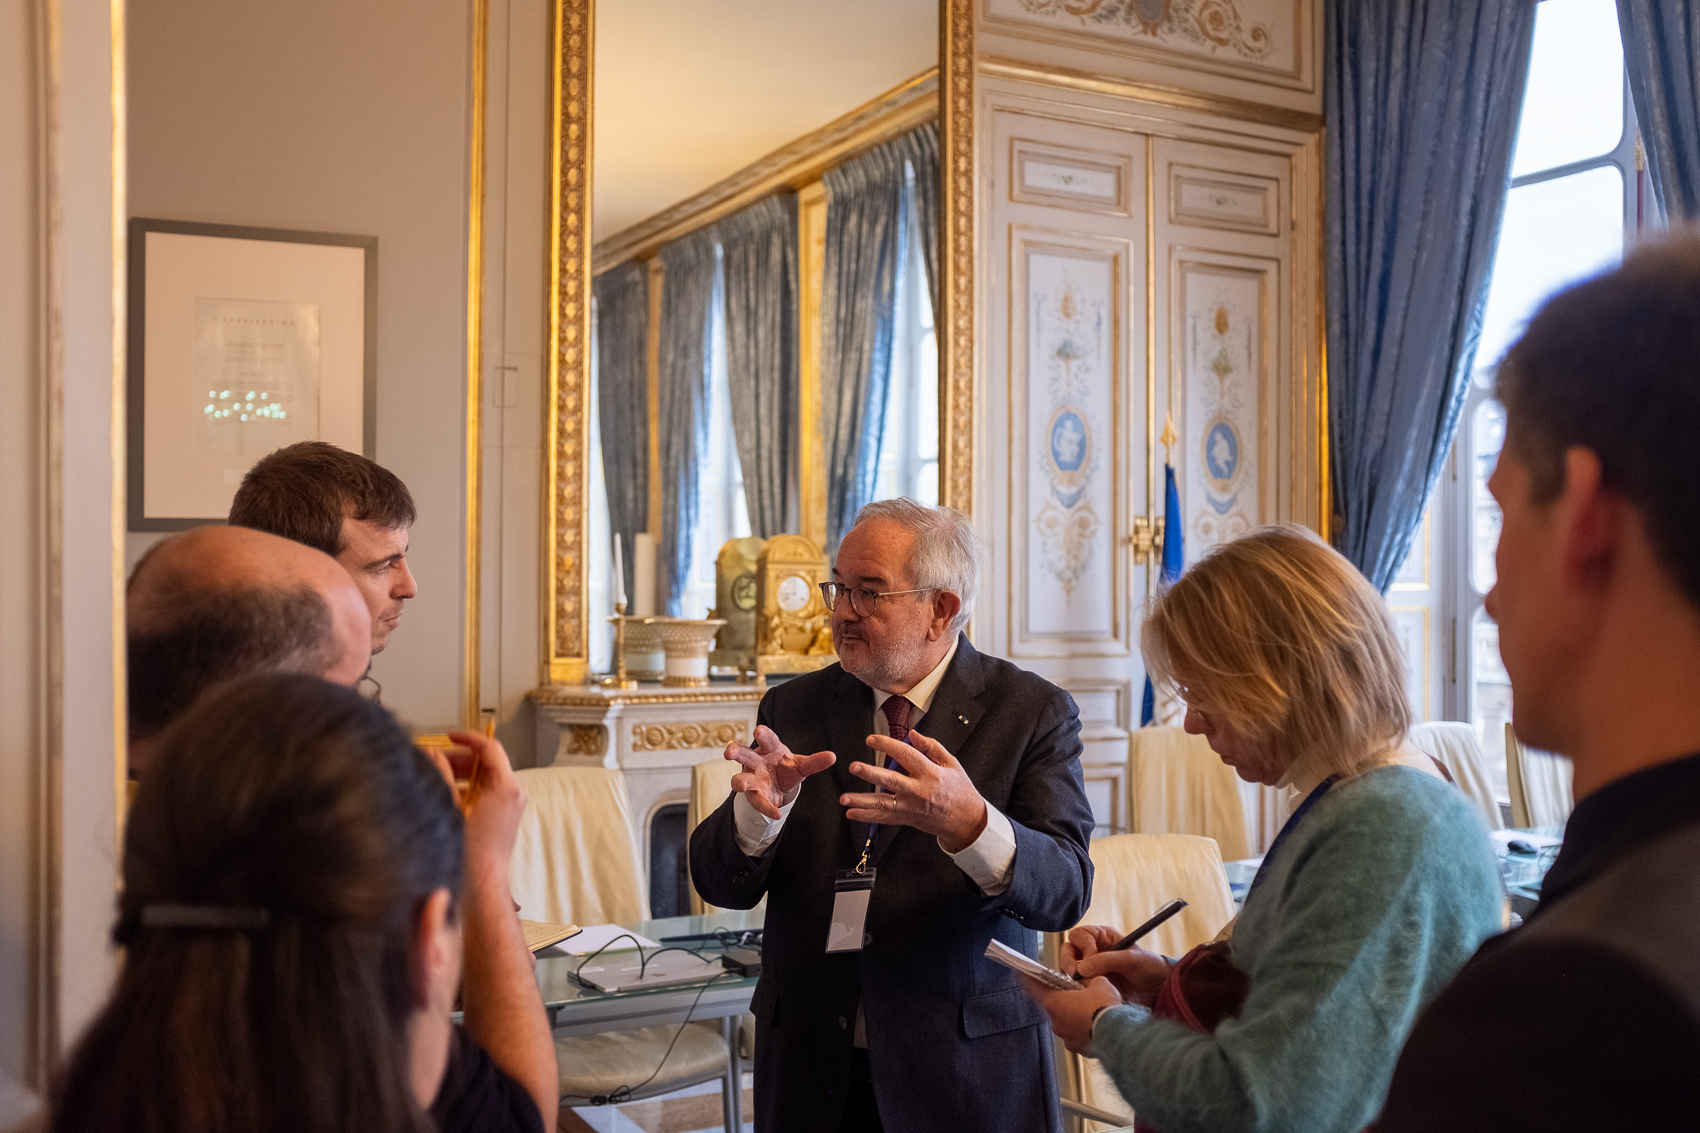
{"points": [[862, 600]]}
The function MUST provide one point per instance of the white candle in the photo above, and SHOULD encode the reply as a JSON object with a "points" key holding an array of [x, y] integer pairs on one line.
{"points": [[643, 575], [619, 573]]}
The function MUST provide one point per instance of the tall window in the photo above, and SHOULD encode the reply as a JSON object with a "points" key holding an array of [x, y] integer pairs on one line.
{"points": [[1576, 198], [722, 513], [909, 446]]}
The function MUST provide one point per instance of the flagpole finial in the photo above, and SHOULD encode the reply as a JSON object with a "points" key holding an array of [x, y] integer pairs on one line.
{"points": [[1168, 438]]}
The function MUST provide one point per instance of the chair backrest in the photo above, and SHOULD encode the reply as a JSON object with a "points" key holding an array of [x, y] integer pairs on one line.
{"points": [[1456, 746], [1539, 784], [711, 783], [576, 859], [1133, 876], [1136, 874], [1179, 786]]}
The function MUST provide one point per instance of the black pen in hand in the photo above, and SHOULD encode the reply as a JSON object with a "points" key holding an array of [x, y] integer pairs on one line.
{"points": [[1133, 937]]}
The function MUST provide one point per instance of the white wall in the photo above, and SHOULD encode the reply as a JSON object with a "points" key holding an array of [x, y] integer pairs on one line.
{"points": [[355, 118], [59, 459], [21, 639]]}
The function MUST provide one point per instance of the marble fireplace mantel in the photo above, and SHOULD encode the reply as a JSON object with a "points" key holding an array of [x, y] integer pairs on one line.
{"points": [[654, 734]]}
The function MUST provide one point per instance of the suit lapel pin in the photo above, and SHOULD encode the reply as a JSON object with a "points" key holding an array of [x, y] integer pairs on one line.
{"points": [[964, 719]]}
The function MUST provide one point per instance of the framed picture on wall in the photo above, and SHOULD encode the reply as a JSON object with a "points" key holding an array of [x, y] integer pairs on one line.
{"points": [[241, 341]]}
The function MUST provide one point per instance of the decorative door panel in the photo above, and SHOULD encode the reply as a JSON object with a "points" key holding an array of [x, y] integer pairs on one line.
{"points": [[1221, 341], [1068, 443], [1236, 370]]}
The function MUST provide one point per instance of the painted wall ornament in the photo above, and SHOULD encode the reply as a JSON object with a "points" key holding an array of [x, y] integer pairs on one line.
{"points": [[1069, 325], [1222, 336]]}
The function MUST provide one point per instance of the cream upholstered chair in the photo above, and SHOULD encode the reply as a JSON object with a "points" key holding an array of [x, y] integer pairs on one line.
{"points": [[1455, 745], [576, 857], [1133, 876], [1179, 786], [576, 861], [1539, 785], [711, 782]]}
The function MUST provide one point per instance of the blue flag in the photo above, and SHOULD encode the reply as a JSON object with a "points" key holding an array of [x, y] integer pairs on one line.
{"points": [[1174, 561]]}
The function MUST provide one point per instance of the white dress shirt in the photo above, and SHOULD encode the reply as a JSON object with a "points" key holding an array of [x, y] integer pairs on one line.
{"points": [[989, 859]]}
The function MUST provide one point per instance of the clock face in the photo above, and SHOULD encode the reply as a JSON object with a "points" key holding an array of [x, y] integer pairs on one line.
{"points": [[793, 593], [744, 591]]}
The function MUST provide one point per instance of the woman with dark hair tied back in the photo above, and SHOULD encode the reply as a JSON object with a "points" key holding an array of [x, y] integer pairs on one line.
{"points": [[291, 876]]}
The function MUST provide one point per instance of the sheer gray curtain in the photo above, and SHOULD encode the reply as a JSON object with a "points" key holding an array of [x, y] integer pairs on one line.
{"points": [[1422, 99], [687, 289], [1661, 50], [921, 147], [865, 237], [622, 399], [759, 253]]}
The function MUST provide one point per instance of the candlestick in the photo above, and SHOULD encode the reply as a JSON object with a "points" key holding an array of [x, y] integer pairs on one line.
{"points": [[618, 678], [619, 572]]}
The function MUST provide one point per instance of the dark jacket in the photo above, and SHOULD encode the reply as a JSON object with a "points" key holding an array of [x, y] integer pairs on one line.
{"points": [[953, 1041], [1588, 1017]]}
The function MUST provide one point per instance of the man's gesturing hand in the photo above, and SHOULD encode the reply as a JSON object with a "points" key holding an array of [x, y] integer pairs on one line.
{"points": [[771, 772], [936, 796]]}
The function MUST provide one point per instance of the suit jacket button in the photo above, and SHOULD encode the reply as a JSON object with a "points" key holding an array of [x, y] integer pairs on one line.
{"points": [[843, 1022]]}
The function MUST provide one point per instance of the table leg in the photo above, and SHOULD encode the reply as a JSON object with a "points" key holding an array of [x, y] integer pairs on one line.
{"points": [[732, 1099]]}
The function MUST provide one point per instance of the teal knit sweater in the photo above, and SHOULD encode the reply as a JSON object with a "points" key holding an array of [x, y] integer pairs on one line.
{"points": [[1372, 904]]}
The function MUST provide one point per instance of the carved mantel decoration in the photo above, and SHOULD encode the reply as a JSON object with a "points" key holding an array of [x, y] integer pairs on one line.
{"points": [[689, 737]]}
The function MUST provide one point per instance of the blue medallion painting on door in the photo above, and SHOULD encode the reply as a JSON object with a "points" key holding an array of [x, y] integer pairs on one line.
{"points": [[1219, 457], [1070, 407]]}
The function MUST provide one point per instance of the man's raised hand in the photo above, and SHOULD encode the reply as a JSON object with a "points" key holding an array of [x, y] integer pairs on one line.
{"points": [[770, 772]]}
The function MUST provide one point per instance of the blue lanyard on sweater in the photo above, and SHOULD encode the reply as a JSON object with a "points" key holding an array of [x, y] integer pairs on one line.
{"points": [[1287, 828]]}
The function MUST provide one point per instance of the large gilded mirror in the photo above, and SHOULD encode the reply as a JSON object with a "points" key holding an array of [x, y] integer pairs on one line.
{"points": [[720, 159]]}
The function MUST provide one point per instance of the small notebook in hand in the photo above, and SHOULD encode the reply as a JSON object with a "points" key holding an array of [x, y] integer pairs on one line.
{"points": [[540, 935], [1010, 958]]}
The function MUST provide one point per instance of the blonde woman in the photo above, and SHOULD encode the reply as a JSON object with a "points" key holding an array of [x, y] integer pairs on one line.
{"points": [[1378, 888]]}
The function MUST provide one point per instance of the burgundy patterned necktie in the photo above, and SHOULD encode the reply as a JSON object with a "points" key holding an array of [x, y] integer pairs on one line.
{"points": [[897, 710]]}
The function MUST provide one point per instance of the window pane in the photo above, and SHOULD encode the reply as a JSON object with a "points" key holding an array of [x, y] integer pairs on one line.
{"points": [[927, 484], [1573, 105], [1487, 437], [1555, 232], [1492, 699]]}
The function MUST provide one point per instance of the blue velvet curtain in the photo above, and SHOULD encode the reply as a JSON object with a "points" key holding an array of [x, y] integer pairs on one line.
{"points": [[622, 396], [688, 285], [865, 237], [921, 147], [1661, 50], [759, 254], [1422, 99]]}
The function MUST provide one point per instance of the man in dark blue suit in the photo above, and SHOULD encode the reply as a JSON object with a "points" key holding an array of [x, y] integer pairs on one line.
{"points": [[975, 830]]}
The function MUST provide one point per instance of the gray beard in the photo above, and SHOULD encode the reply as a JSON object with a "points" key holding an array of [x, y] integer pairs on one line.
{"points": [[887, 670]]}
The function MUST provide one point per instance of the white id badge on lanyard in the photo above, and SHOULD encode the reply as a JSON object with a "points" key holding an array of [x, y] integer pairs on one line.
{"points": [[851, 892]]}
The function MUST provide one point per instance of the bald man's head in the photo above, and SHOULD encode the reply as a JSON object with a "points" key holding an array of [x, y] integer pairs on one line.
{"points": [[221, 602]]}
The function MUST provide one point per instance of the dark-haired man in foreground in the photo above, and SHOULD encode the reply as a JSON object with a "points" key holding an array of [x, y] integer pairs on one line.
{"points": [[1588, 1016], [347, 506]]}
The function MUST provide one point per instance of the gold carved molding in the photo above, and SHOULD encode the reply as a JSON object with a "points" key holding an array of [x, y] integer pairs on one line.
{"points": [[472, 647], [567, 454], [585, 696], [1158, 95], [688, 737], [587, 739], [956, 256]]}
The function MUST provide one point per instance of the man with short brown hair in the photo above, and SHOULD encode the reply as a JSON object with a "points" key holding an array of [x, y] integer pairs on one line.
{"points": [[1588, 1016], [347, 506]]}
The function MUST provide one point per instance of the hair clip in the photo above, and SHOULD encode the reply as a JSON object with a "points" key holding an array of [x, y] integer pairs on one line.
{"points": [[238, 917]]}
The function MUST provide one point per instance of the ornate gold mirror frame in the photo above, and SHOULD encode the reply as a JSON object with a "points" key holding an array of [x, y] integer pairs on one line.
{"points": [[566, 443]]}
